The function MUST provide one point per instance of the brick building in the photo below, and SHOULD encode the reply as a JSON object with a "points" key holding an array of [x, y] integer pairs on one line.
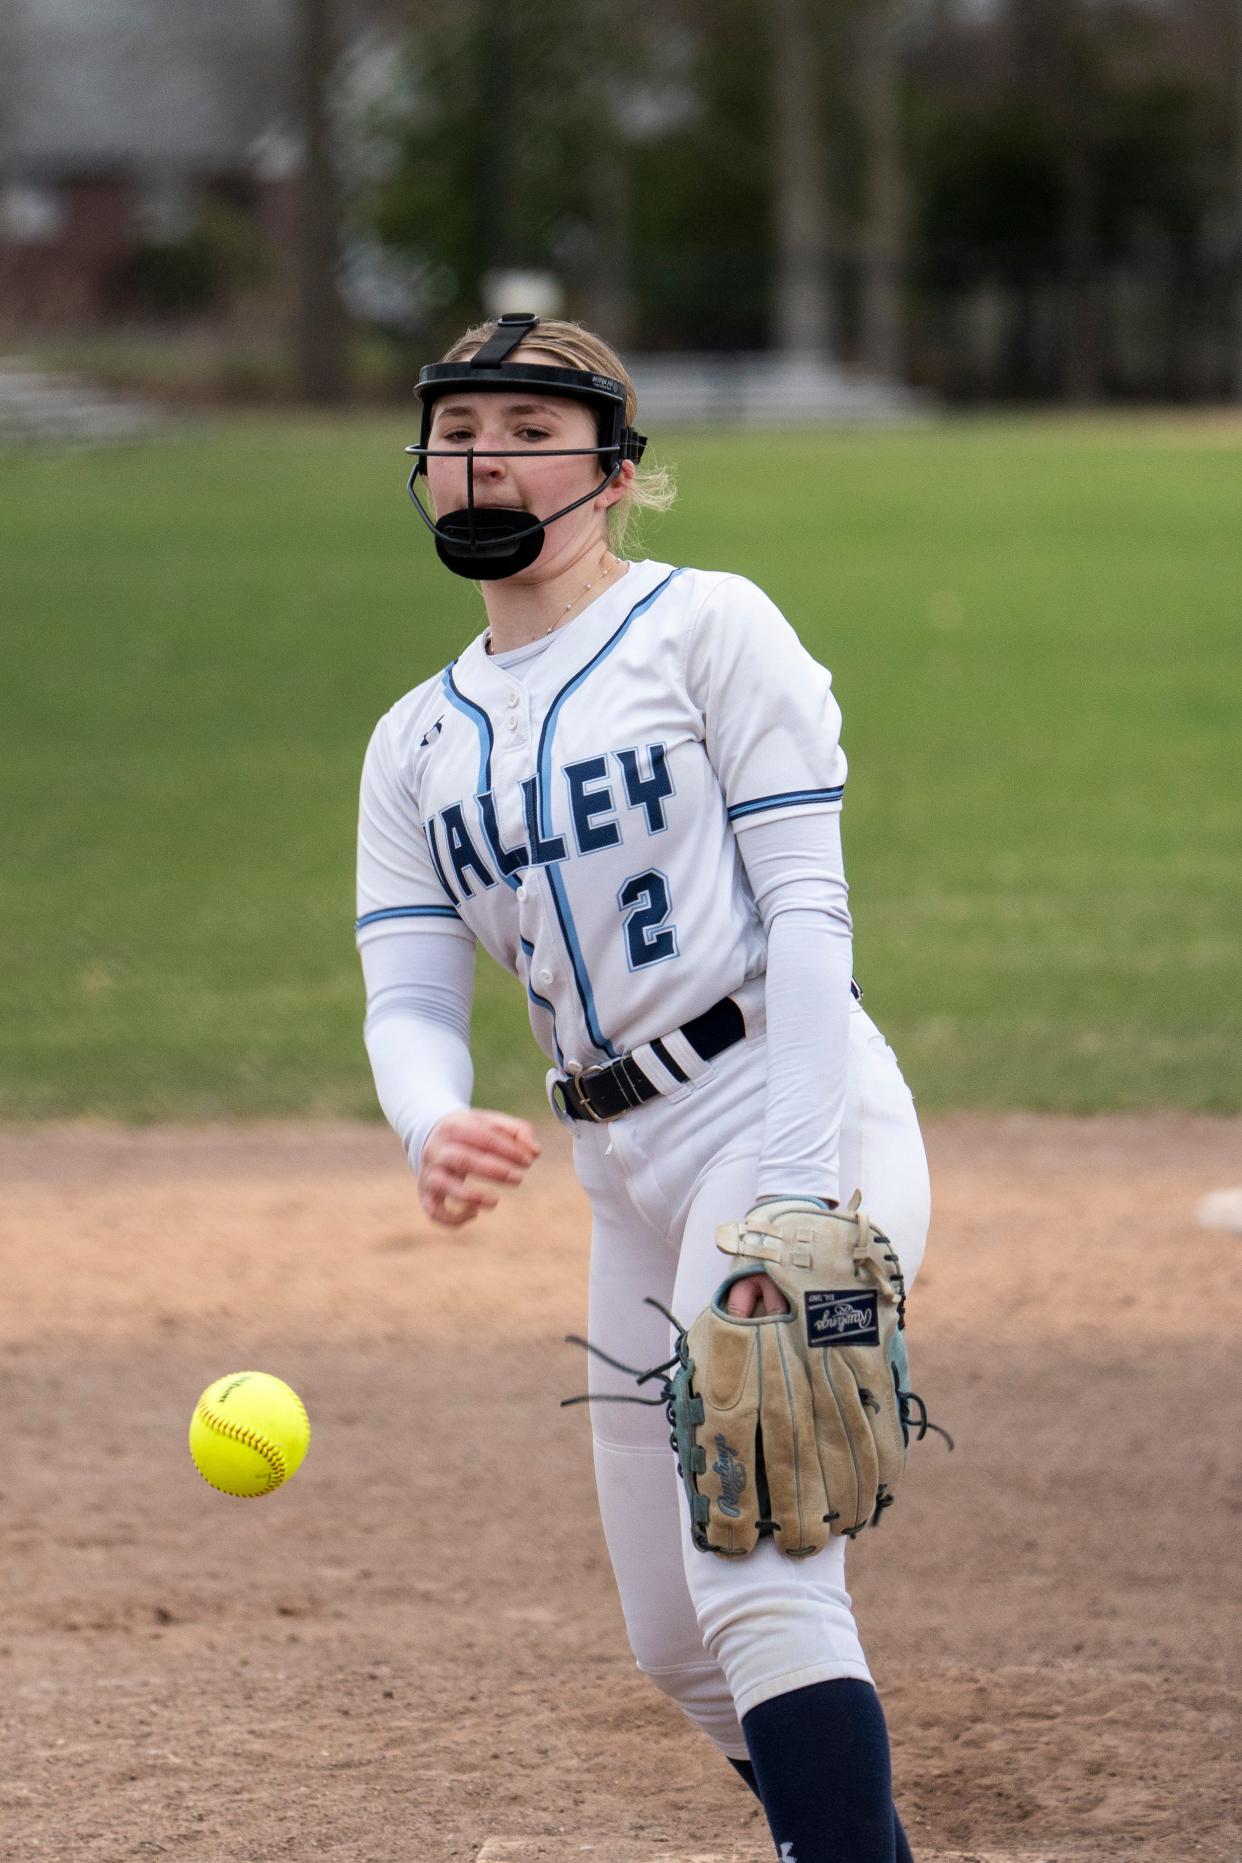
{"points": [[120, 123]]}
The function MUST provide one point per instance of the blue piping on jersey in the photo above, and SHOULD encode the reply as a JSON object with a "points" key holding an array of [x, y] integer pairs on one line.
{"points": [[487, 743], [792, 797], [406, 912], [479, 719], [569, 932], [544, 767], [543, 1002]]}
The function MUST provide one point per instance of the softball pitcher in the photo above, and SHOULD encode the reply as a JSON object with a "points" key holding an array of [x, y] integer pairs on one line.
{"points": [[628, 789]]}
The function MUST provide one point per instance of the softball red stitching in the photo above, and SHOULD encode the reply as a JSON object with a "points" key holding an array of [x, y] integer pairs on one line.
{"points": [[270, 1453]]}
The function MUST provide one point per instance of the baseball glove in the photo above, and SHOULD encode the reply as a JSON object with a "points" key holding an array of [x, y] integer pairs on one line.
{"points": [[797, 1423]]}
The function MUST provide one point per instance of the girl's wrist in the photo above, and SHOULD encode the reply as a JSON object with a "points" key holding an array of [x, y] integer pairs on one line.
{"points": [[795, 1196]]}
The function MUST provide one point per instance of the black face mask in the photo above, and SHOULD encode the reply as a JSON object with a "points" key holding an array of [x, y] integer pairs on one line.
{"points": [[486, 542], [481, 541]]}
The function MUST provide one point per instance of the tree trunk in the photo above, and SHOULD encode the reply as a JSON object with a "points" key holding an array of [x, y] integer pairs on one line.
{"points": [[11, 49], [1052, 55], [320, 320], [802, 306], [1082, 320], [610, 298], [884, 205], [607, 284], [497, 146]]}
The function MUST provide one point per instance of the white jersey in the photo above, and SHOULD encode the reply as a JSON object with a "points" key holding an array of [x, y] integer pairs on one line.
{"points": [[578, 820]]}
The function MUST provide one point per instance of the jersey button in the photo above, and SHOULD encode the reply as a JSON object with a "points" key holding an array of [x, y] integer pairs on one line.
{"points": [[545, 976], [512, 699], [521, 889]]}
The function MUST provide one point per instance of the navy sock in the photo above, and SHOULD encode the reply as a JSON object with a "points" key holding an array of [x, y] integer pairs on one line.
{"points": [[821, 1761], [746, 1771]]}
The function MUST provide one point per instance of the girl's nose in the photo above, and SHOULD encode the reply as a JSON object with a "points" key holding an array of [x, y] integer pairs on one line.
{"points": [[483, 466]]}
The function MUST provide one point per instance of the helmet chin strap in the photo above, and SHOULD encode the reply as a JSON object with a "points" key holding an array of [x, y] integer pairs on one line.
{"points": [[487, 542]]}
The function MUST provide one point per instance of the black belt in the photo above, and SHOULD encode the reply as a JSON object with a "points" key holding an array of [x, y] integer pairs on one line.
{"points": [[602, 1093]]}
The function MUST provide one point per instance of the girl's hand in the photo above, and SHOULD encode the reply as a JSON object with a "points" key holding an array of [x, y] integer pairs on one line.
{"points": [[759, 1290], [756, 1291], [472, 1144]]}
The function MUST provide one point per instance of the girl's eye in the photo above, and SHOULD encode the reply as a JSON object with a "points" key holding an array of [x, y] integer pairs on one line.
{"points": [[533, 434], [456, 434]]}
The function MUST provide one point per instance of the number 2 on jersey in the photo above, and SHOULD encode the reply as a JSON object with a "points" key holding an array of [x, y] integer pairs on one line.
{"points": [[645, 901]]}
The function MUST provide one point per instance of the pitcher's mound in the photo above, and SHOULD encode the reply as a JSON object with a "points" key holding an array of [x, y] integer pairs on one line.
{"points": [[625, 1850]]}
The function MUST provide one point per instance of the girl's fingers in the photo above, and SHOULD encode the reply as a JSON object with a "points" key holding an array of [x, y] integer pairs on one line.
{"points": [[516, 1146], [520, 1130], [452, 1211], [512, 1157], [472, 1145], [758, 1290], [467, 1207], [743, 1299], [475, 1130], [446, 1196], [449, 1188], [773, 1299], [467, 1161], [440, 1214]]}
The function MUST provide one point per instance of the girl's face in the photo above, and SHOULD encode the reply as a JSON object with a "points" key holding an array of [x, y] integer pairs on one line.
{"points": [[526, 423]]}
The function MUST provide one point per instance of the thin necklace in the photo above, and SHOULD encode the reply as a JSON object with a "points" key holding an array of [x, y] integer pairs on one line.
{"points": [[487, 644]]}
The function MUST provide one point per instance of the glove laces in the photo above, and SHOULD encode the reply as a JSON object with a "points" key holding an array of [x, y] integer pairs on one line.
{"points": [[632, 1371], [914, 1419]]}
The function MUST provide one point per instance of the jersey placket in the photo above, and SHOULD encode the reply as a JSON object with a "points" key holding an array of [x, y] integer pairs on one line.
{"points": [[513, 764]]}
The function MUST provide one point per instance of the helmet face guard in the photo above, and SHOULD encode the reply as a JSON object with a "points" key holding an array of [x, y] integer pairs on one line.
{"points": [[481, 541]]}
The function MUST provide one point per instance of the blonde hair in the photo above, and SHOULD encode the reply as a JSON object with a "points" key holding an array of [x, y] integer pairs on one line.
{"points": [[574, 347]]}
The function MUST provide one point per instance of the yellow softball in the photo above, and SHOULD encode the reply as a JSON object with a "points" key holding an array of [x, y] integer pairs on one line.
{"points": [[249, 1432]]}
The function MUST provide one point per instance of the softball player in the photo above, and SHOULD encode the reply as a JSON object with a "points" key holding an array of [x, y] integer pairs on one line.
{"points": [[628, 789]]}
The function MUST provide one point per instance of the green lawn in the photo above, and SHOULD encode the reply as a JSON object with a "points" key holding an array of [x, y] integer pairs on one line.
{"points": [[1035, 632]]}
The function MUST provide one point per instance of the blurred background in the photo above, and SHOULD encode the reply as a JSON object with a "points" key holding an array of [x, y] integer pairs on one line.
{"points": [[1035, 199], [935, 308]]}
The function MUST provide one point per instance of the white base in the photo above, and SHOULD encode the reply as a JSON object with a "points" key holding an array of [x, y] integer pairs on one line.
{"points": [[1221, 1209], [617, 1850]]}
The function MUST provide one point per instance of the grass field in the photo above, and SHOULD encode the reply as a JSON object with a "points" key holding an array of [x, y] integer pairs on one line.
{"points": [[1036, 634]]}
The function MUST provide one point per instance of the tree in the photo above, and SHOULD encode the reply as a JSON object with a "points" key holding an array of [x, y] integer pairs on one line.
{"points": [[320, 317], [884, 204], [1237, 199], [801, 289], [1058, 63]]}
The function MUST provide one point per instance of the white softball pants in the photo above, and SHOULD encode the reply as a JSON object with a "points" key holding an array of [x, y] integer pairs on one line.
{"points": [[719, 1636]]}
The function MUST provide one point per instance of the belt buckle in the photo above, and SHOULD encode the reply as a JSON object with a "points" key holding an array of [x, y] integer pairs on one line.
{"points": [[599, 1067]]}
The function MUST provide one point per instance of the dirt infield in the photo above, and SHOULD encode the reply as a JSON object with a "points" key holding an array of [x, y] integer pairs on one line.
{"points": [[384, 1662]]}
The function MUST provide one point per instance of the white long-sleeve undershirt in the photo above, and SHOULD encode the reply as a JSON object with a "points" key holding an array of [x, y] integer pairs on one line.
{"points": [[417, 1031], [797, 875], [419, 986]]}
